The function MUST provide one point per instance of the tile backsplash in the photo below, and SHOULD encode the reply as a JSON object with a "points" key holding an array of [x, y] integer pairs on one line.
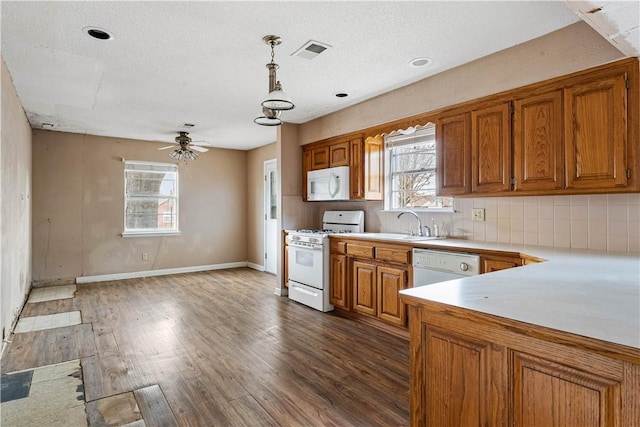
{"points": [[609, 222]]}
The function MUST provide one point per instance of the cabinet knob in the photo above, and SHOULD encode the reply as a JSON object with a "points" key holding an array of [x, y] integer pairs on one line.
{"points": [[464, 266]]}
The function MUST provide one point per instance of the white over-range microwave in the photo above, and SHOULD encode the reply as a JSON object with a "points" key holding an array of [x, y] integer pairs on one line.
{"points": [[328, 184]]}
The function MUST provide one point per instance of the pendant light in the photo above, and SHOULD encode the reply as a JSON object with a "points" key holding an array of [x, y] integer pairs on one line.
{"points": [[277, 100]]}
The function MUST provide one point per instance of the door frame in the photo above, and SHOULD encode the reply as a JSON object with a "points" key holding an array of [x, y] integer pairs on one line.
{"points": [[268, 165]]}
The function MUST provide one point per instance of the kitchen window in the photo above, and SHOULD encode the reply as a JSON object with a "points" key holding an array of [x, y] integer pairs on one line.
{"points": [[410, 178], [150, 198]]}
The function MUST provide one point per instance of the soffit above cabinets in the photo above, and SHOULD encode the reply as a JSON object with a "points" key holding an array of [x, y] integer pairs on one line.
{"points": [[617, 21]]}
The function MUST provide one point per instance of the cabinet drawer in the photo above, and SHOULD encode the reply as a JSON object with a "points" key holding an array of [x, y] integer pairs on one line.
{"points": [[360, 251], [338, 247], [497, 264], [393, 255]]}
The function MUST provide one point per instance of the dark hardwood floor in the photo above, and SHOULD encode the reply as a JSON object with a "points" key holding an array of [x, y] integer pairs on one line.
{"points": [[225, 351]]}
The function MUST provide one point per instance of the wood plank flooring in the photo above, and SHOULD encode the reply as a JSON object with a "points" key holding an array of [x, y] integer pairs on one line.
{"points": [[225, 351]]}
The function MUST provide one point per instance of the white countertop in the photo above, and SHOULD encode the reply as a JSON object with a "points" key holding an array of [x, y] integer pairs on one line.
{"points": [[587, 293]]}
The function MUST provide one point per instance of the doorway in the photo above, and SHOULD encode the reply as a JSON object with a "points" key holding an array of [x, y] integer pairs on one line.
{"points": [[271, 216]]}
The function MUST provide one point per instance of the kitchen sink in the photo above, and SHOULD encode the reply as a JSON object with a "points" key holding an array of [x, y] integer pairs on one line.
{"points": [[395, 236]]}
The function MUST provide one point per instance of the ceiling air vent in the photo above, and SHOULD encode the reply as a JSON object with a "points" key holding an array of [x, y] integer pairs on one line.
{"points": [[311, 49]]}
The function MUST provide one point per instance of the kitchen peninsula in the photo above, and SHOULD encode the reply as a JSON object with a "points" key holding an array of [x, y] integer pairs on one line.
{"points": [[552, 343]]}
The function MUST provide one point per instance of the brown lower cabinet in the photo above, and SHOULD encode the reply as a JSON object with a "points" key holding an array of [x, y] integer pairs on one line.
{"points": [[375, 291], [489, 264], [367, 276], [473, 369], [366, 279]]}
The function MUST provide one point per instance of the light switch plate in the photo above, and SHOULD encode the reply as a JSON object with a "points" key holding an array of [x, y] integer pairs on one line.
{"points": [[478, 214]]}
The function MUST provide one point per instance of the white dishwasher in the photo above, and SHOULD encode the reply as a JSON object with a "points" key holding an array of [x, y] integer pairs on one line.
{"points": [[432, 266]]}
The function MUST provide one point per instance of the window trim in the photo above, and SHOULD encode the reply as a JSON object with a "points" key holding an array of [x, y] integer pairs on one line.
{"points": [[130, 165]]}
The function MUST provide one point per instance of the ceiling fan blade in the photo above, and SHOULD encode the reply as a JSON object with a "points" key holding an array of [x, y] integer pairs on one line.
{"points": [[198, 148], [166, 148]]}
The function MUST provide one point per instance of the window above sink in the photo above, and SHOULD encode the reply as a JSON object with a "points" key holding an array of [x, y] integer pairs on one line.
{"points": [[410, 171]]}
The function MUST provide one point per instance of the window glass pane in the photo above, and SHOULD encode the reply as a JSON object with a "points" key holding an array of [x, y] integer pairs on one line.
{"points": [[273, 201], [414, 157], [150, 184]]}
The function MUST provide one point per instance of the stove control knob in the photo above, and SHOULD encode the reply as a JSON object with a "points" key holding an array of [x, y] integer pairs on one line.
{"points": [[464, 266]]}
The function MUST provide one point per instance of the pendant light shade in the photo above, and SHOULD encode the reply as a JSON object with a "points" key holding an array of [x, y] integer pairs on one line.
{"points": [[277, 100]]}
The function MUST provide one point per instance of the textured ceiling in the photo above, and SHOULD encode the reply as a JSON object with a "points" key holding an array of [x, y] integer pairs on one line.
{"points": [[204, 62]]}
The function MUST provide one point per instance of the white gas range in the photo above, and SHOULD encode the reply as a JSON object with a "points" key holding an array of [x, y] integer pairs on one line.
{"points": [[309, 257]]}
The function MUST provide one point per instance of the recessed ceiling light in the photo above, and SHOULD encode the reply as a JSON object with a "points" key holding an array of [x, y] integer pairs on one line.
{"points": [[420, 62], [97, 33], [341, 95]]}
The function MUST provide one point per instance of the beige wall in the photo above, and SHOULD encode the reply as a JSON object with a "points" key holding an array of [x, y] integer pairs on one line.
{"points": [[78, 205], [15, 205], [562, 52], [255, 201]]}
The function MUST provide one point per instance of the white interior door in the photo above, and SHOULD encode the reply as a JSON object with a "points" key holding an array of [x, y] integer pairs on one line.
{"points": [[271, 216]]}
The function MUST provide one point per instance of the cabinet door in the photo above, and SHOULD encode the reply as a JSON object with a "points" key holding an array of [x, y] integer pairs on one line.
{"points": [[453, 142], [285, 265], [549, 394], [339, 154], [491, 149], [462, 384], [537, 145], [338, 281], [374, 168], [364, 288], [356, 170], [319, 158], [390, 282], [306, 167], [596, 134]]}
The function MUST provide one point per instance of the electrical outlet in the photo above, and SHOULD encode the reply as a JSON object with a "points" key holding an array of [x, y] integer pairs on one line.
{"points": [[145, 256], [478, 214]]}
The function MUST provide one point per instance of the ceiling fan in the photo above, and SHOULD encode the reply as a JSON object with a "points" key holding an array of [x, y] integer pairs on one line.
{"points": [[185, 149]]}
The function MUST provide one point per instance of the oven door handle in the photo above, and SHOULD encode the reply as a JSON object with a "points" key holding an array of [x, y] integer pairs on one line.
{"points": [[311, 248]]}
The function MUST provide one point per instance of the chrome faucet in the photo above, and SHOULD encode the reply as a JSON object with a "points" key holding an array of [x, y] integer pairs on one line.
{"points": [[426, 227]]}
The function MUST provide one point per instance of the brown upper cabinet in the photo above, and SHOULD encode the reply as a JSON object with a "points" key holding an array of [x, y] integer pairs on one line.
{"points": [[596, 133], [491, 149], [537, 142], [571, 135], [364, 158], [453, 154], [575, 134], [374, 168], [339, 154], [319, 158]]}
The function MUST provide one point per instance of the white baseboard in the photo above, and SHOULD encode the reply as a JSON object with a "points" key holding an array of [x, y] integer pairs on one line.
{"points": [[255, 266], [149, 273]]}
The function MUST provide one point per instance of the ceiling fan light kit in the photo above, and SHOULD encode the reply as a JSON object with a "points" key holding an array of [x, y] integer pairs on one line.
{"points": [[180, 154], [277, 100], [185, 151]]}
